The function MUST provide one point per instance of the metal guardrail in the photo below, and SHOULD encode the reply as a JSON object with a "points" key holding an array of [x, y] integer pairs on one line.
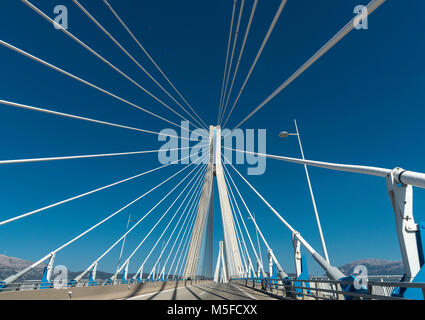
{"points": [[321, 289], [31, 285], [312, 289], [38, 285]]}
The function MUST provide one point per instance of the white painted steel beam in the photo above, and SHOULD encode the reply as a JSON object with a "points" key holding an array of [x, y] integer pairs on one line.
{"points": [[234, 261]]}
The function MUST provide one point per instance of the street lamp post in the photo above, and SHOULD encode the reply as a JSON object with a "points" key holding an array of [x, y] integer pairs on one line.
{"points": [[285, 134], [123, 242]]}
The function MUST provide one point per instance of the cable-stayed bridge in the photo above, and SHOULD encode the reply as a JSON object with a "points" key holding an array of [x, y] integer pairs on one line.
{"points": [[183, 268]]}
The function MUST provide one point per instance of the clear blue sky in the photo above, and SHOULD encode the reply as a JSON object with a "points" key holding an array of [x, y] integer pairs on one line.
{"points": [[362, 103]]}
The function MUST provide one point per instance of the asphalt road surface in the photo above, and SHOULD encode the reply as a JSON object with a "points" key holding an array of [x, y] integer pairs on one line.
{"points": [[209, 291]]}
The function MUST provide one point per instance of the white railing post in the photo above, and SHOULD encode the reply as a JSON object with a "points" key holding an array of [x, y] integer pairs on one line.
{"points": [[92, 279], [125, 273], [297, 255], [269, 254], [47, 274], [401, 196]]}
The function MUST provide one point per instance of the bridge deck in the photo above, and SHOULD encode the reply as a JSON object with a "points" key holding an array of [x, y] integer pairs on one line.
{"points": [[208, 291]]}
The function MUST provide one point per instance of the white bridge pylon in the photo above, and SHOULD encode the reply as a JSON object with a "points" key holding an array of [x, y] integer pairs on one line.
{"points": [[220, 266], [233, 266]]}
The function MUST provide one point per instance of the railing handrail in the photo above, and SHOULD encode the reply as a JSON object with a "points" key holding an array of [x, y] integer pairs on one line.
{"points": [[413, 178], [289, 287]]}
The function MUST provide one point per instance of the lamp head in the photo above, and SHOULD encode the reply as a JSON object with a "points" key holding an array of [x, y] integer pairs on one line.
{"points": [[284, 134]]}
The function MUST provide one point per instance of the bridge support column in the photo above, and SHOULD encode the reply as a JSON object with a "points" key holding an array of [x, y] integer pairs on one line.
{"points": [[125, 273], [272, 270], [411, 236], [401, 197], [152, 275], [92, 280], [297, 255], [192, 259], [270, 264], [140, 275], [233, 256], [47, 274], [162, 273], [258, 275]]}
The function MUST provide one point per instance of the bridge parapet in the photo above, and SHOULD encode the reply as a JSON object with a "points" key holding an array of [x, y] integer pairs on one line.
{"points": [[103, 292], [325, 289]]}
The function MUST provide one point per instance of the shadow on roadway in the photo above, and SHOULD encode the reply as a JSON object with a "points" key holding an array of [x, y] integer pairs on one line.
{"points": [[174, 297], [164, 283], [136, 290], [194, 294], [210, 292], [273, 295], [231, 292]]}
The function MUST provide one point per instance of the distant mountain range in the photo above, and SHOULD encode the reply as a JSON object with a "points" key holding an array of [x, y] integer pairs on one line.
{"points": [[11, 265], [375, 267]]}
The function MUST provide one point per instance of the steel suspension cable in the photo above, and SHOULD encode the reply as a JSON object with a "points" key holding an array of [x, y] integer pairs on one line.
{"points": [[188, 221], [150, 232], [260, 51], [309, 248], [235, 39], [249, 211], [154, 227], [237, 234], [97, 55], [259, 261], [371, 7], [84, 194], [401, 176], [227, 57], [195, 184], [248, 28], [79, 277], [180, 265], [125, 207], [374, 171], [16, 161], [115, 41], [282, 273], [185, 250], [26, 270], [239, 228], [67, 115], [28, 55], [184, 239], [261, 197], [150, 58]]}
